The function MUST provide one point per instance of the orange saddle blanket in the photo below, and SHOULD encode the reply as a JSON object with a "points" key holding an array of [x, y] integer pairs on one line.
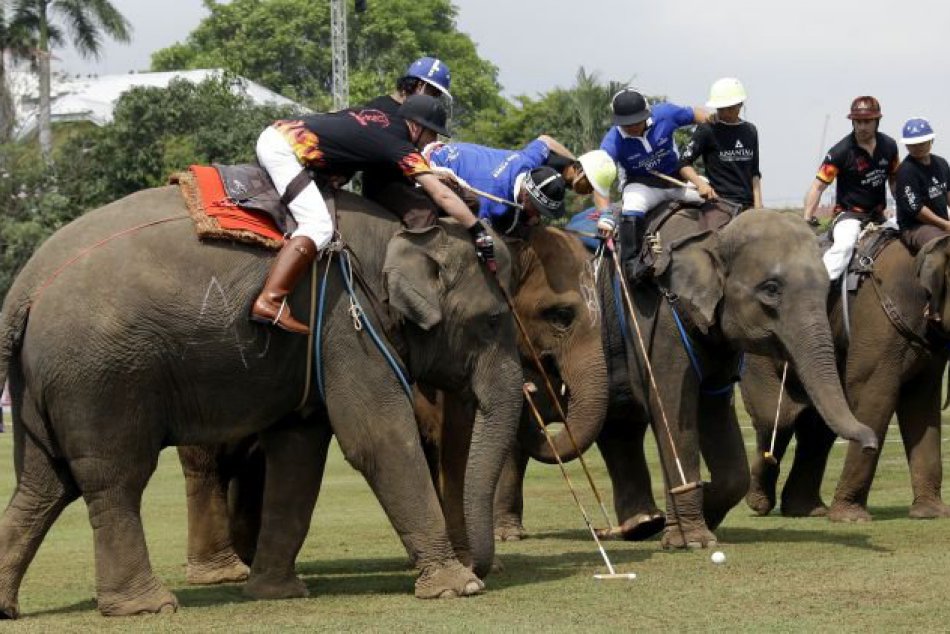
{"points": [[217, 217]]}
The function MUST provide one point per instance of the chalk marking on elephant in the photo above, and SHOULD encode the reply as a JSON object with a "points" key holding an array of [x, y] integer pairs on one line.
{"points": [[527, 388], [213, 285]]}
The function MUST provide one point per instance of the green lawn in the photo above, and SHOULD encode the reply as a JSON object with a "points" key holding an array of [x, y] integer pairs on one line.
{"points": [[780, 574]]}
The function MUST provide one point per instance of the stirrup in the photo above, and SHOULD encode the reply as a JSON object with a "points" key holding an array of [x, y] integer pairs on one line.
{"points": [[280, 312]]}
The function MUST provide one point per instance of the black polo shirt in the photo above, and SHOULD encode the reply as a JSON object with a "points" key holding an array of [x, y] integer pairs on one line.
{"points": [[351, 140], [377, 179], [730, 153], [862, 178], [920, 185]]}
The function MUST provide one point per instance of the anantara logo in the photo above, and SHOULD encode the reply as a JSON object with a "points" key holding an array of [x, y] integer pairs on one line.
{"points": [[739, 145], [366, 117]]}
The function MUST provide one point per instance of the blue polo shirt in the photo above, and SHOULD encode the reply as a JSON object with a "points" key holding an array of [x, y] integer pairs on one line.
{"points": [[655, 150], [493, 171]]}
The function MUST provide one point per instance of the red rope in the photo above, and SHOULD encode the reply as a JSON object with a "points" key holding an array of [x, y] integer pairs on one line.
{"points": [[88, 250]]}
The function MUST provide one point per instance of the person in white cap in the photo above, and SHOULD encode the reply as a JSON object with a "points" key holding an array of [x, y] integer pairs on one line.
{"points": [[729, 149], [922, 186]]}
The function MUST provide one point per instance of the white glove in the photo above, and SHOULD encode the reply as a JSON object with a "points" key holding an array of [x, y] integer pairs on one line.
{"points": [[606, 224]]}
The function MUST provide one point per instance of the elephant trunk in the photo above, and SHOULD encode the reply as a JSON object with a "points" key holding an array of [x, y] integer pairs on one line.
{"points": [[812, 354], [493, 436], [585, 375]]}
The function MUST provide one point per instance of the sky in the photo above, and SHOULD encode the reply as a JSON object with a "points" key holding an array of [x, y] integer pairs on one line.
{"points": [[801, 62]]}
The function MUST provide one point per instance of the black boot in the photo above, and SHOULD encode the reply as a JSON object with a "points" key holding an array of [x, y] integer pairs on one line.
{"points": [[632, 229]]}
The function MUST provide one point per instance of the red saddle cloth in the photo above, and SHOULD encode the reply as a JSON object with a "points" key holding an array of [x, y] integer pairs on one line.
{"points": [[217, 217]]}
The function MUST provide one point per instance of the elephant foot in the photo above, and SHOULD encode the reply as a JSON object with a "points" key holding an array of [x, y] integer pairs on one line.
{"points": [[848, 512], [804, 508], [638, 528], [261, 587], [928, 509], [447, 581], [157, 601], [9, 610], [207, 573], [761, 495], [510, 531], [690, 538]]}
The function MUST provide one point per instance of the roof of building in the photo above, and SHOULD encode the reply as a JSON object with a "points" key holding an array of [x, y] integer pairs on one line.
{"points": [[93, 98]]}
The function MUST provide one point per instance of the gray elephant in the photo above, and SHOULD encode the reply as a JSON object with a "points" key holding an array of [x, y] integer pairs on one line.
{"points": [[123, 326], [757, 285], [888, 365]]}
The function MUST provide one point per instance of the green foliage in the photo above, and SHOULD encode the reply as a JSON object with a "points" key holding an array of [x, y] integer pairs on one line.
{"points": [[155, 132], [285, 45]]}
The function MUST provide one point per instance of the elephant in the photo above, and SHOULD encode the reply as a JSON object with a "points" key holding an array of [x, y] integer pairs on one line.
{"points": [[885, 369], [123, 325], [757, 286], [550, 293]]}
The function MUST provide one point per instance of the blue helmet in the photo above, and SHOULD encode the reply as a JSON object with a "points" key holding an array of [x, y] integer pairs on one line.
{"points": [[917, 130], [433, 72]]}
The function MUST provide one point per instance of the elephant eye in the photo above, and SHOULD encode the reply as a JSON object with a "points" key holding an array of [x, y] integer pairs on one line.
{"points": [[770, 291], [561, 317]]}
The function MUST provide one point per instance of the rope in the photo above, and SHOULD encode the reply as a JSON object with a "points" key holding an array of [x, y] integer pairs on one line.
{"points": [[42, 287], [318, 344], [781, 391], [308, 372]]}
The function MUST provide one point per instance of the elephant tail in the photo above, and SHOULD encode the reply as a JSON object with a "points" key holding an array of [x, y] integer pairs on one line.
{"points": [[13, 318]]}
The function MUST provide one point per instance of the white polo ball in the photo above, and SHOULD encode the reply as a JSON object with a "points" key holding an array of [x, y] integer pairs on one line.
{"points": [[718, 557]]}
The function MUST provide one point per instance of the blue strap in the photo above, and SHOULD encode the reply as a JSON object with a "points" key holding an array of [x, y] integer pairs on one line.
{"points": [[694, 360], [367, 324]]}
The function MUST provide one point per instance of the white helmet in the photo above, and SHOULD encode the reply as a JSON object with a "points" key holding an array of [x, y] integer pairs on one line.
{"points": [[600, 169], [726, 92]]}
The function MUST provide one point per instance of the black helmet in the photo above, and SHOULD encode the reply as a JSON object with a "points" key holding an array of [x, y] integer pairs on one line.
{"points": [[629, 107], [545, 187], [426, 111]]}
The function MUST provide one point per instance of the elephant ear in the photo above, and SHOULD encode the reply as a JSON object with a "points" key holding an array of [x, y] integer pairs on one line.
{"points": [[411, 275], [931, 267], [693, 271]]}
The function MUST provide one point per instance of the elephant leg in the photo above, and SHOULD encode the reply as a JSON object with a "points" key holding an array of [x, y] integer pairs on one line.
{"points": [[456, 439], [765, 470], [211, 559], [44, 488], [387, 451], [509, 497], [918, 414], [876, 400], [246, 501], [112, 488], [723, 450], [801, 495], [295, 453], [621, 445]]}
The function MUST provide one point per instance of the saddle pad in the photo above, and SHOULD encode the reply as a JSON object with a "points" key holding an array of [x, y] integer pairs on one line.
{"points": [[216, 217]]}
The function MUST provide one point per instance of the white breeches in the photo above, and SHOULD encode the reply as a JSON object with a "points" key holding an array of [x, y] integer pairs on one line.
{"points": [[639, 198], [308, 208], [845, 234]]}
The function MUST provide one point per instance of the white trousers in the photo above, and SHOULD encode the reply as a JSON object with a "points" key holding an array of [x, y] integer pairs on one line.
{"points": [[844, 235], [639, 198], [308, 208]]}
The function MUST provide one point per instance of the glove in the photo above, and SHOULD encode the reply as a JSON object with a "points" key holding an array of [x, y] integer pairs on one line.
{"points": [[484, 244], [606, 224]]}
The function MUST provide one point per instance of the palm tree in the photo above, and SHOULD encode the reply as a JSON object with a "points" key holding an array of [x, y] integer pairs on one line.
{"points": [[15, 44], [86, 21]]}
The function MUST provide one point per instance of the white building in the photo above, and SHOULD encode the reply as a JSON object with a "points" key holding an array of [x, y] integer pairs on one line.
{"points": [[93, 98]]}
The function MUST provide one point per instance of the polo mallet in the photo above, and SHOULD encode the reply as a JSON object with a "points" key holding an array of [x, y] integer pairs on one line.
{"points": [[552, 394], [769, 455], [684, 486], [491, 197], [670, 179], [612, 574]]}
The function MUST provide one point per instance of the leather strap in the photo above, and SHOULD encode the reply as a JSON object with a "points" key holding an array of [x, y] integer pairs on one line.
{"points": [[894, 315], [297, 185]]}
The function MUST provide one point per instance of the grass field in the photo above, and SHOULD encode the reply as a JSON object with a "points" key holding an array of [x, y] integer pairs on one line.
{"points": [[780, 574]]}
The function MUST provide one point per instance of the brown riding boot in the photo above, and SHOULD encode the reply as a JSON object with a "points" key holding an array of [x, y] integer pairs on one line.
{"points": [[271, 307]]}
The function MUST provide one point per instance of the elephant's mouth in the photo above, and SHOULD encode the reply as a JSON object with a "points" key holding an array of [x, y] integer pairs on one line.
{"points": [[542, 399]]}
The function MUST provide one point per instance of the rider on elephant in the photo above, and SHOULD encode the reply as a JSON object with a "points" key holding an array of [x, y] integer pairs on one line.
{"points": [[387, 185], [922, 193], [729, 149], [507, 176], [342, 143], [641, 143], [862, 162]]}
